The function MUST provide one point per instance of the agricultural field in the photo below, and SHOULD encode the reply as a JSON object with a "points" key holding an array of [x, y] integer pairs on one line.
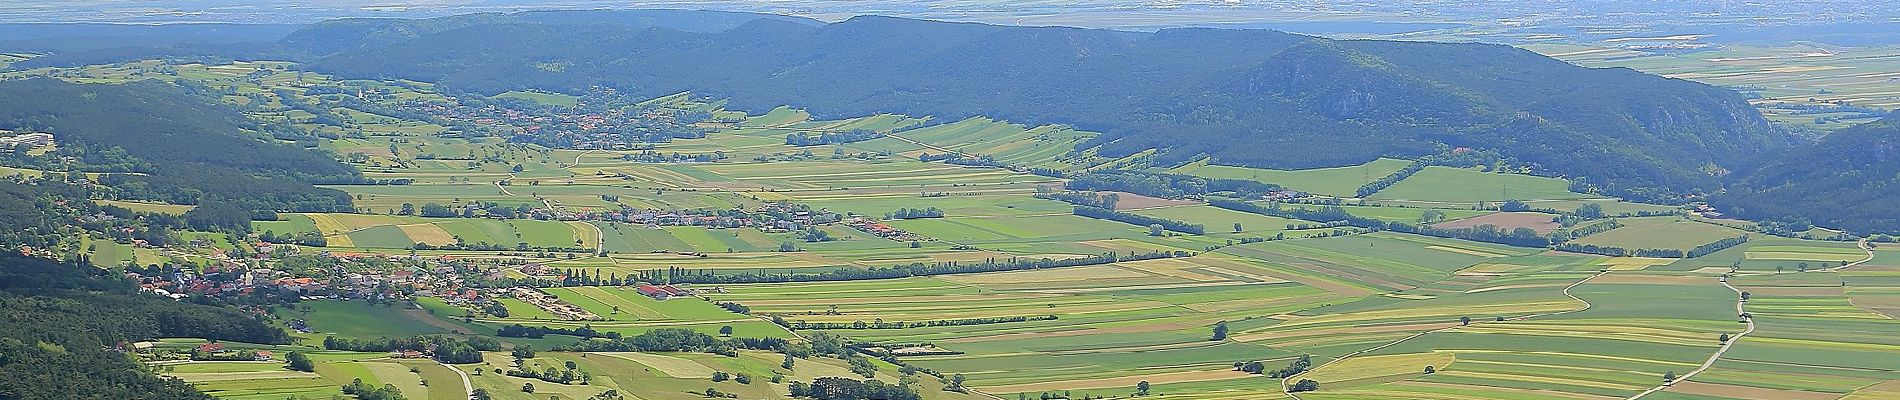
{"points": [[1458, 185], [1661, 233], [1371, 308], [1540, 222]]}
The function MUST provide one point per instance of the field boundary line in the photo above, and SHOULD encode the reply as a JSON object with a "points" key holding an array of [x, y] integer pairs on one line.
{"points": [[1287, 389]]}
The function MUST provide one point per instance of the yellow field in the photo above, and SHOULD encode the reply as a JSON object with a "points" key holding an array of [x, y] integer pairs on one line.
{"points": [[428, 233], [671, 366], [1369, 367]]}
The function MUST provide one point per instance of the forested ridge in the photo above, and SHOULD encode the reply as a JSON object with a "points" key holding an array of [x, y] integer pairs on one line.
{"points": [[1849, 180], [1243, 97]]}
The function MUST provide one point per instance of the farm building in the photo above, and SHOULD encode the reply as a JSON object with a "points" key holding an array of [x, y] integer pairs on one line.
{"points": [[662, 292]]}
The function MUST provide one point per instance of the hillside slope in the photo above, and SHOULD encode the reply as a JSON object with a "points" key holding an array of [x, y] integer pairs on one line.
{"points": [[1849, 180], [165, 143], [1254, 98]]}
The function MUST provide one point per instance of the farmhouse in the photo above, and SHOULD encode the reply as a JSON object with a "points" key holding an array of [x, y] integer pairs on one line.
{"points": [[661, 292]]}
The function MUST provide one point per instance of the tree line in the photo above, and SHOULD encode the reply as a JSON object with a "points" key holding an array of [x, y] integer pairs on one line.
{"points": [[1138, 219]]}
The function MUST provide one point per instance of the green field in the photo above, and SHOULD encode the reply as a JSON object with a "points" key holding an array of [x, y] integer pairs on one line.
{"points": [[1661, 233], [1456, 185]]}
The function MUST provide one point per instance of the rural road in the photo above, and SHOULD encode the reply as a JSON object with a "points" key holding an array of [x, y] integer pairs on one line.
{"points": [[1285, 386], [466, 385], [1740, 309]]}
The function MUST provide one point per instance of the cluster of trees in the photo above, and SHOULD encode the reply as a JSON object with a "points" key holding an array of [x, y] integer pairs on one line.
{"points": [[1138, 219], [62, 321], [310, 238], [571, 375], [447, 349], [673, 275], [1171, 186], [536, 332], [838, 388], [650, 156], [802, 325], [1090, 199], [362, 391], [914, 213], [824, 138]]}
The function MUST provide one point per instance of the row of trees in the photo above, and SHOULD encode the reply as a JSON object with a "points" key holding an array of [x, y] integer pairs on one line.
{"points": [[802, 325], [1138, 219], [674, 275], [536, 332], [1520, 236], [1171, 186], [1698, 251], [914, 213], [825, 138], [1090, 199], [442, 348]]}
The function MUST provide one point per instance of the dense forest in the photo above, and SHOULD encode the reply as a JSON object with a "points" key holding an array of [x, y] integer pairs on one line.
{"points": [[1850, 180], [169, 143], [59, 322], [1243, 97]]}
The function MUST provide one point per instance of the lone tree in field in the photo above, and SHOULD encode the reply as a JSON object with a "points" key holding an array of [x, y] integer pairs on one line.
{"points": [[1220, 331], [1236, 227], [1724, 338], [1141, 388], [1429, 370], [725, 330], [1669, 377], [1155, 230], [527, 387], [1464, 320]]}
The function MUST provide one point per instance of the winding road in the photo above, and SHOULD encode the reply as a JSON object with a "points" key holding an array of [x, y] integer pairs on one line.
{"points": [[1286, 387], [1741, 309]]}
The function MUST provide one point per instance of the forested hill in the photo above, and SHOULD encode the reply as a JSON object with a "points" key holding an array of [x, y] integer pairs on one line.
{"points": [[168, 143], [58, 321], [1850, 180], [1254, 97]]}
